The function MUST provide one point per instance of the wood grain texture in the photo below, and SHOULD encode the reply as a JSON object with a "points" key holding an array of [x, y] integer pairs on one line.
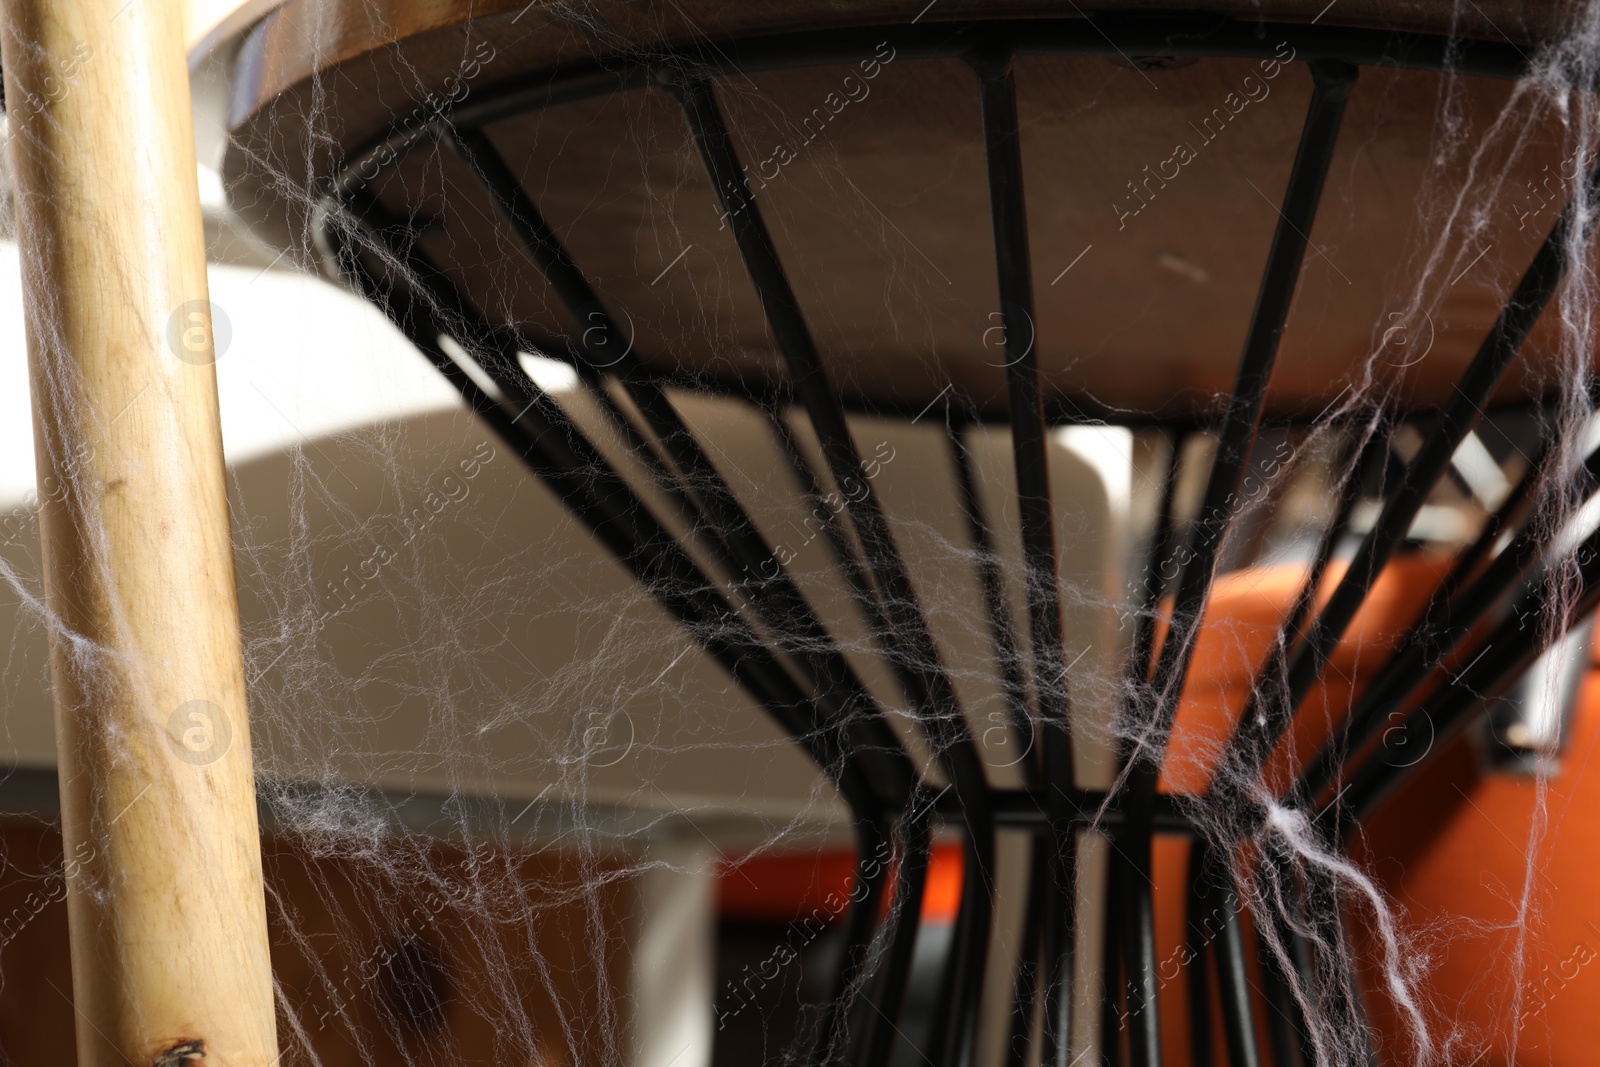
{"points": [[874, 188], [168, 922], [302, 38]]}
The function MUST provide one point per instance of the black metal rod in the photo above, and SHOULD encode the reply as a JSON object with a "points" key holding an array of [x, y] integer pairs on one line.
{"points": [[1509, 516], [859, 581], [1284, 260], [1113, 1013], [834, 531], [1373, 451], [1508, 651], [936, 705], [1029, 445], [1259, 728], [873, 1033], [838, 539], [1289, 921], [1233, 979], [1008, 666], [1429, 643], [1329, 977], [621, 521], [899, 938], [1279, 923], [1030, 456], [1349, 492], [1058, 936], [766, 584], [1332, 82], [1142, 649], [856, 947], [1025, 984], [1141, 982], [752, 565], [562, 456], [1198, 935], [1136, 673], [664, 477], [997, 609]]}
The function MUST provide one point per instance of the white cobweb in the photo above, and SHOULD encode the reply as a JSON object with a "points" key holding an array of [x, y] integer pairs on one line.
{"points": [[500, 782]]}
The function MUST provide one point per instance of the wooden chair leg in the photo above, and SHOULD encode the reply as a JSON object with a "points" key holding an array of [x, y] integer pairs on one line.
{"points": [[165, 902]]}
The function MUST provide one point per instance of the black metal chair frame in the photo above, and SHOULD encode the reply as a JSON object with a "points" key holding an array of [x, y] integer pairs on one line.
{"points": [[756, 622]]}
